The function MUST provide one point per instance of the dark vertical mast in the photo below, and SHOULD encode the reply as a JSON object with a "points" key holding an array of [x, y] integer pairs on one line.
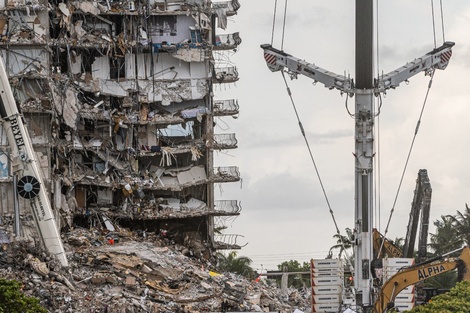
{"points": [[364, 43], [364, 152]]}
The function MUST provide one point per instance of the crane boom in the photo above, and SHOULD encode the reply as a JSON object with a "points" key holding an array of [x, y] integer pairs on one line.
{"points": [[278, 60], [437, 58], [24, 164]]}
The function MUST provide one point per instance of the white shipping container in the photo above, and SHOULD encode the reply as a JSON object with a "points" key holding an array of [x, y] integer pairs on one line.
{"points": [[405, 297], [326, 307], [327, 290], [322, 274], [316, 281], [397, 262], [326, 299], [409, 289], [327, 270], [404, 306], [331, 263]]}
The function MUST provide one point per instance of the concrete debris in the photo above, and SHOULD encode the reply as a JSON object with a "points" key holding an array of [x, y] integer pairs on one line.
{"points": [[135, 273]]}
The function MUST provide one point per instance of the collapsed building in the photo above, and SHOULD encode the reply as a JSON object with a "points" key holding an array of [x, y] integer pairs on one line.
{"points": [[119, 101]]}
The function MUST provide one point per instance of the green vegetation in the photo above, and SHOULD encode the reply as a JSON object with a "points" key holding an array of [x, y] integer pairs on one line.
{"points": [[12, 299], [234, 264], [296, 281], [343, 243], [457, 300]]}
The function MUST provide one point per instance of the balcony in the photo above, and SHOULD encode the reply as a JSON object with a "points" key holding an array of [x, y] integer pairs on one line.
{"points": [[229, 7], [226, 107], [227, 41], [227, 74], [229, 207], [227, 242], [225, 141], [226, 174]]}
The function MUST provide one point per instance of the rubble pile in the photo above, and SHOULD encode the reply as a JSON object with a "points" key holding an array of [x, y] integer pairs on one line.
{"points": [[127, 273]]}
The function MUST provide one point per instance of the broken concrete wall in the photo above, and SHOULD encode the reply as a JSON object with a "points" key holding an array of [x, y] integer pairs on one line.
{"points": [[118, 105], [39, 128], [22, 61]]}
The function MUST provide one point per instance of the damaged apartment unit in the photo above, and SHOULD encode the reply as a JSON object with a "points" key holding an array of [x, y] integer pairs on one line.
{"points": [[120, 103]]}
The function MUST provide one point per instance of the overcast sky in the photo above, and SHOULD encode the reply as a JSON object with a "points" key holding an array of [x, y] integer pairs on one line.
{"points": [[285, 215]]}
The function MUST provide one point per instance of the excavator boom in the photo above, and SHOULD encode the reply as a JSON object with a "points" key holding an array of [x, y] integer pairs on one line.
{"points": [[412, 275], [384, 246]]}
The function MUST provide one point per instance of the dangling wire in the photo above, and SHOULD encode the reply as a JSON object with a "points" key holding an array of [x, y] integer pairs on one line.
{"points": [[409, 152], [377, 160], [377, 39], [284, 26], [315, 166], [442, 23], [433, 23], [274, 22]]}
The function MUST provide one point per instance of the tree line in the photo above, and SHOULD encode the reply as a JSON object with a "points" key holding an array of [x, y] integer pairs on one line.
{"points": [[452, 232]]}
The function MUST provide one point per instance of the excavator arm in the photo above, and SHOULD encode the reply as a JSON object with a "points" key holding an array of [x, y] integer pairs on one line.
{"points": [[420, 208], [384, 246], [30, 185], [420, 272]]}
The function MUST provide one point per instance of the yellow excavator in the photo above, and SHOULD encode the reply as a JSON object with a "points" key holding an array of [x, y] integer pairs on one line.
{"points": [[384, 247], [420, 272]]}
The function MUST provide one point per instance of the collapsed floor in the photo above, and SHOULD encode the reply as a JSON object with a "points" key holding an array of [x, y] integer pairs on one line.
{"points": [[135, 272]]}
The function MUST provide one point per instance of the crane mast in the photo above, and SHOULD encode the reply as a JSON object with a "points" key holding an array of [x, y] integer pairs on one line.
{"points": [[24, 164], [365, 88]]}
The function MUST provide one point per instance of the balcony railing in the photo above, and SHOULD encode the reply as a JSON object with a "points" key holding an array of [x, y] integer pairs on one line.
{"points": [[227, 42], [227, 241], [226, 74], [226, 174], [226, 107], [225, 141], [230, 7], [227, 206]]}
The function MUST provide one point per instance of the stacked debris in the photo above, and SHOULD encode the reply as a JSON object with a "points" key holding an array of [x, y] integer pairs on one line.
{"points": [[125, 272]]}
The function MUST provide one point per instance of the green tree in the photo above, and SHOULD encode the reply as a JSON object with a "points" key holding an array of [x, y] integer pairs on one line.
{"points": [[343, 243], [399, 242], [235, 264], [446, 238], [461, 224], [12, 300], [296, 281], [457, 300], [443, 241]]}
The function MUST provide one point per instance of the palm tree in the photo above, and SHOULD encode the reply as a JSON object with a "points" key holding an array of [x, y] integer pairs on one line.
{"points": [[234, 264], [462, 224], [446, 238], [343, 243], [399, 242]]}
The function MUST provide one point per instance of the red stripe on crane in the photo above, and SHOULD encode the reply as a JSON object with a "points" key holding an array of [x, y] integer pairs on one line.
{"points": [[270, 58], [445, 57]]}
